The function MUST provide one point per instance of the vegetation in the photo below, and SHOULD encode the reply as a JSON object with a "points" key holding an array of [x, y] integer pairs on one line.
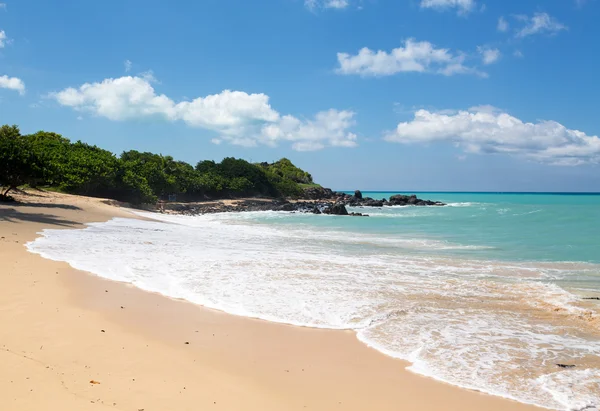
{"points": [[47, 159]]}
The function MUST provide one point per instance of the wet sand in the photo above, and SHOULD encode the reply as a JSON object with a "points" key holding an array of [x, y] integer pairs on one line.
{"points": [[73, 341]]}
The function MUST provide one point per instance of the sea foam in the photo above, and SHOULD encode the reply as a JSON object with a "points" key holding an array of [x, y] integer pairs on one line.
{"points": [[493, 326]]}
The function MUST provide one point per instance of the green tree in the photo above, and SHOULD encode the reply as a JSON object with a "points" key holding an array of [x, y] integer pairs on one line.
{"points": [[18, 162], [88, 170]]}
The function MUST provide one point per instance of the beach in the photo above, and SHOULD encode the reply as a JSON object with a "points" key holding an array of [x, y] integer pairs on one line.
{"points": [[74, 341]]}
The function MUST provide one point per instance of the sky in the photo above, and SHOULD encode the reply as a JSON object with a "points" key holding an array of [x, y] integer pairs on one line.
{"points": [[411, 95]]}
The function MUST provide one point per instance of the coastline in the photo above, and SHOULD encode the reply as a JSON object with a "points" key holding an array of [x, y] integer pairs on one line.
{"points": [[53, 343]]}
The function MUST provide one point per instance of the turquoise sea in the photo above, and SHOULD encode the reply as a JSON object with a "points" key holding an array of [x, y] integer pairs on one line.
{"points": [[489, 293]]}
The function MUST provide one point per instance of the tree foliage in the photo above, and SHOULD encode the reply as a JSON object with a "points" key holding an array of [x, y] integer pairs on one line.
{"points": [[49, 159]]}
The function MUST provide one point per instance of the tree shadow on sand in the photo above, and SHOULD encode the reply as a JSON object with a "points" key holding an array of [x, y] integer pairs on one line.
{"points": [[45, 205], [12, 216]]}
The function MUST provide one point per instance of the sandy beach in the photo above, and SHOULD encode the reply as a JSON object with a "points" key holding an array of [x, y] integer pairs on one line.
{"points": [[73, 341]]}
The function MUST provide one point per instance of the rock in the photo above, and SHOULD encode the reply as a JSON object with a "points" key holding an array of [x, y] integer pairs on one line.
{"points": [[358, 215], [372, 203], [358, 194], [399, 199], [288, 207], [317, 193], [565, 365], [336, 209]]}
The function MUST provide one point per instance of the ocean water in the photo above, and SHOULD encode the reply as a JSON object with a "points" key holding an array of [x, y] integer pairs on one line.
{"points": [[486, 293]]}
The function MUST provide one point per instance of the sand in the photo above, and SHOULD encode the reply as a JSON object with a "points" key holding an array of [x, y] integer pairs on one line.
{"points": [[73, 341]]}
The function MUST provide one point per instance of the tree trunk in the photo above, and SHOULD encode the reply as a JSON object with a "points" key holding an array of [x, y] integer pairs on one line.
{"points": [[7, 190]]}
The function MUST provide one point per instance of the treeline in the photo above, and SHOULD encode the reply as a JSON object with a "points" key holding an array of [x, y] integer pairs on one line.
{"points": [[46, 159]]}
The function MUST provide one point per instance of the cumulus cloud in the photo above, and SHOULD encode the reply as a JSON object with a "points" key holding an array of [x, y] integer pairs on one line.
{"points": [[12, 83], [238, 117], [503, 25], [539, 23], [329, 126], [463, 6], [414, 56], [313, 5], [489, 130], [489, 55]]}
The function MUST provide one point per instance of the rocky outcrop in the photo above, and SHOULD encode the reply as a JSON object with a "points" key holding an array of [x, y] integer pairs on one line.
{"points": [[336, 209], [359, 200], [403, 200], [318, 193], [333, 203]]}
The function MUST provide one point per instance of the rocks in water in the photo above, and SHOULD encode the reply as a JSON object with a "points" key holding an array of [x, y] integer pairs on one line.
{"points": [[404, 200], [336, 209], [288, 207], [400, 199], [320, 201], [369, 202]]}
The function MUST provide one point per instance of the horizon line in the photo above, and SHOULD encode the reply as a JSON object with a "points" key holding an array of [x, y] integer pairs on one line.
{"points": [[478, 192]]}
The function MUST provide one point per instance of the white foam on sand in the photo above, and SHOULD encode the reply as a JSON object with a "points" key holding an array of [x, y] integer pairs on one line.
{"points": [[453, 319]]}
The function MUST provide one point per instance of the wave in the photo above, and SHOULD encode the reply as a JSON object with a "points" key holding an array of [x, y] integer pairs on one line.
{"points": [[493, 326], [463, 204]]}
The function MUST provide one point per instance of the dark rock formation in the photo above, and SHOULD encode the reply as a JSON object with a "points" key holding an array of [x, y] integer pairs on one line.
{"points": [[318, 193], [318, 200], [403, 200], [369, 202], [336, 209]]}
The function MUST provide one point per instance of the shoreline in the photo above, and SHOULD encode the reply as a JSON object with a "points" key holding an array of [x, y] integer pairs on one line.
{"points": [[268, 365]]}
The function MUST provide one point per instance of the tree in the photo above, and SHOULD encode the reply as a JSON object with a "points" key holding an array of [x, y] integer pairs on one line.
{"points": [[88, 170], [18, 162], [52, 150], [46, 158]]}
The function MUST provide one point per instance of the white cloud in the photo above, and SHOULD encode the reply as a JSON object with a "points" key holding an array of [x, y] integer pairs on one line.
{"points": [[414, 56], [488, 55], [539, 23], [128, 64], [3, 6], [313, 5], [12, 83], [488, 130], [503, 25], [329, 127], [336, 4], [463, 6], [238, 117], [3, 39], [518, 53]]}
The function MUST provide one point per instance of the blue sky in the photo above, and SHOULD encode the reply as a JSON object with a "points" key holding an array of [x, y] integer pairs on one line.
{"points": [[370, 94]]}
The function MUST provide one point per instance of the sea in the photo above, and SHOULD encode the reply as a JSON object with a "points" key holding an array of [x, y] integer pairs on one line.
{"points": [[495, 292]]}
